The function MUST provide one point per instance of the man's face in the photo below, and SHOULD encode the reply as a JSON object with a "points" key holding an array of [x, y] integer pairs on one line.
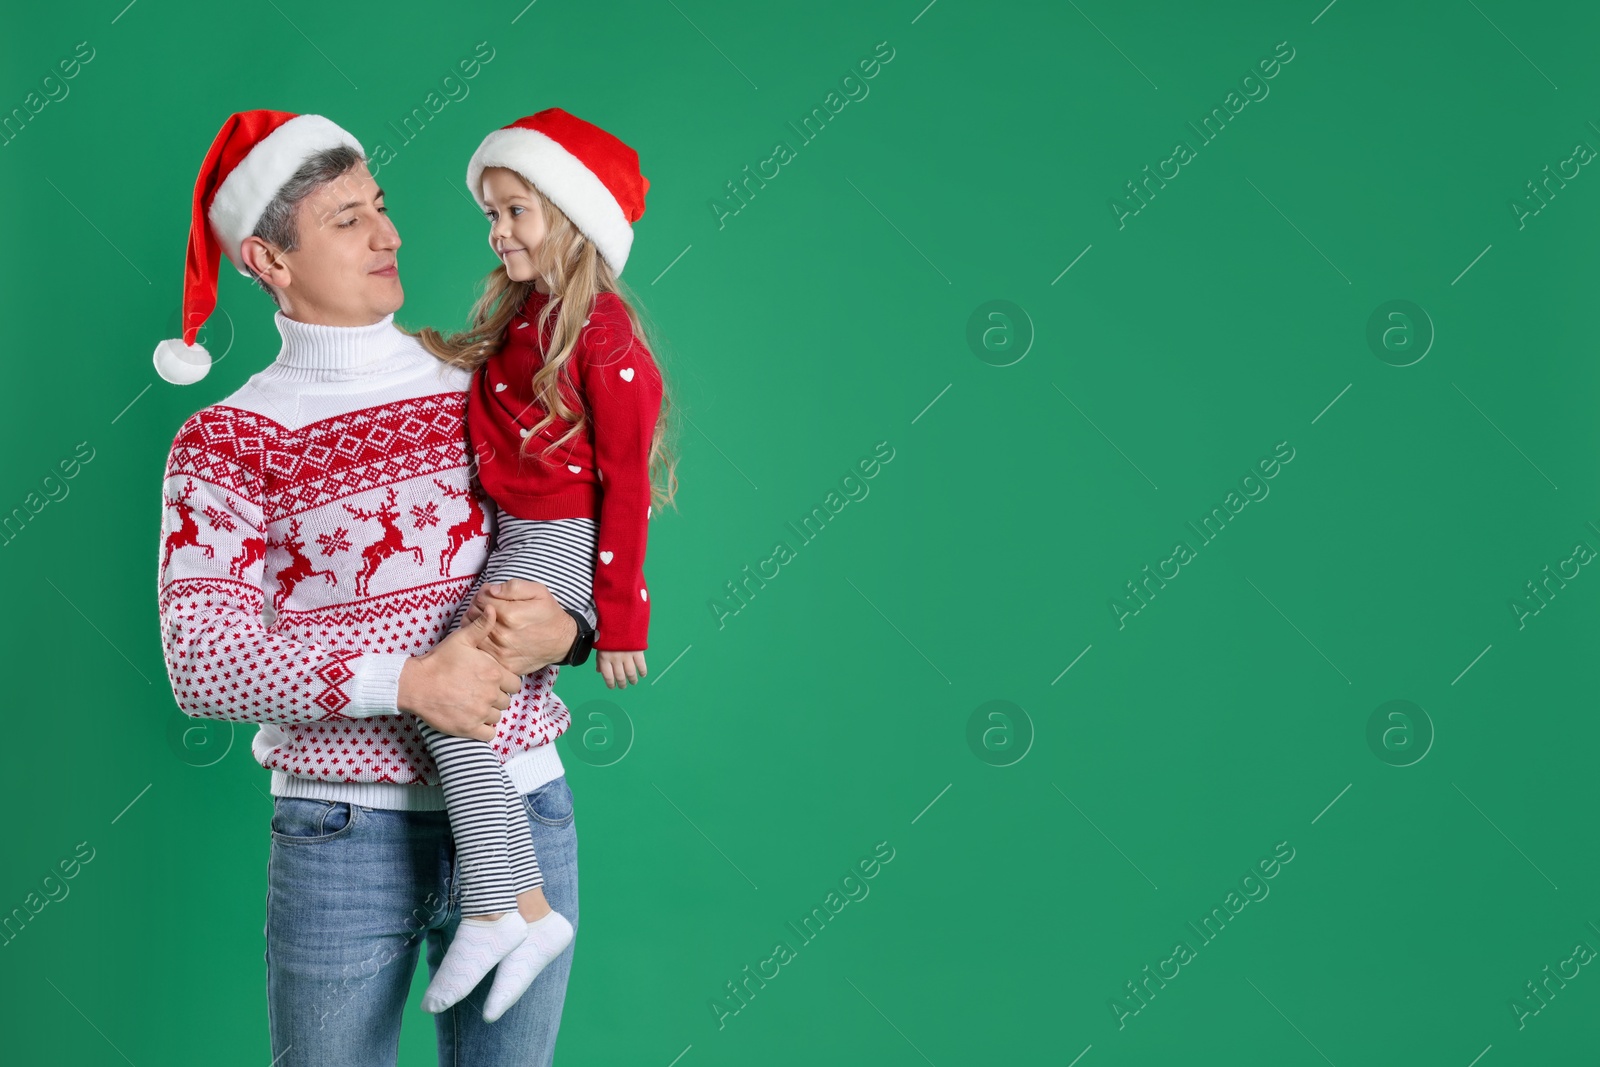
{"points": [[345, 272]]}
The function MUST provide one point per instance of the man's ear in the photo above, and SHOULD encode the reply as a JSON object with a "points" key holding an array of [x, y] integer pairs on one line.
{"points": [[265, 260]]}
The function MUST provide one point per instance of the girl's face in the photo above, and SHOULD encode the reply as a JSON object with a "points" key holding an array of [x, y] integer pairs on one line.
{"points": [[516, 223]]}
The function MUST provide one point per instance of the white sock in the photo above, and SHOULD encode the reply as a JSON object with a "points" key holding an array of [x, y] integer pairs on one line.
{"points": [[479, 944], [548, 936]]}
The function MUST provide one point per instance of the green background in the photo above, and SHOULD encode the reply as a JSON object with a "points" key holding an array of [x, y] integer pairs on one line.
{"points": [[771, 753]]}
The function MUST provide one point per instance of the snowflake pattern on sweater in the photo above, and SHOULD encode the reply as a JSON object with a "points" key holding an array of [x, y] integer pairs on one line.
{"points": [[302, 564]]}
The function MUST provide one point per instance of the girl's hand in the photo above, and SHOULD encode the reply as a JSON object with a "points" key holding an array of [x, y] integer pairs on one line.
{"points": [[620, 669]]}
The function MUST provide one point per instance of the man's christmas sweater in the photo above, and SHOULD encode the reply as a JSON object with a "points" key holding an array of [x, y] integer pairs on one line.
{"points": [[602, 473], [320, 527]]}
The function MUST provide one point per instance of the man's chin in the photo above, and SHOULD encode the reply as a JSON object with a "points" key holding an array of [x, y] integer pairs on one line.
{"points": [[389, 298]]}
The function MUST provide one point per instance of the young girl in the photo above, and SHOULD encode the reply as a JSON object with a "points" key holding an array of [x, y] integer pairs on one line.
{"points": [[562, 417]]}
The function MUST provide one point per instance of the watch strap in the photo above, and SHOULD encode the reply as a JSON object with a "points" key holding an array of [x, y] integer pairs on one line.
{"points": [[581, 644]]}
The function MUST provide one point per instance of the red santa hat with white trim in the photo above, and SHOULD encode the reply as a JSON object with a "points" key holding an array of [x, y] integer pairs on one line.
{"points": [[586, 172], [253, 154]]}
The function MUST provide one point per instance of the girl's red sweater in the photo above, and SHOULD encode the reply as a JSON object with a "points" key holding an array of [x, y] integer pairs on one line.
{"points": [[602, 473]]}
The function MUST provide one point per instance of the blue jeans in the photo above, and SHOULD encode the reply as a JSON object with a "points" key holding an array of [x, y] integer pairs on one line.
{"points": [[352, 893]]}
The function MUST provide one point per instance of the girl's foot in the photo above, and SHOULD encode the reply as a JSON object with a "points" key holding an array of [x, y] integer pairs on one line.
{"points": [[547, 938], [478, 945]]}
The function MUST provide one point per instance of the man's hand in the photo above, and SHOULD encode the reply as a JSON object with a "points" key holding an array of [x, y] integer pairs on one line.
{"points": [[620, 668], [456, 687], [531, 628]]}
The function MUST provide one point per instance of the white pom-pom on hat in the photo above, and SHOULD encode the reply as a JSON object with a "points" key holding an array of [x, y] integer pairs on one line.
{"points": [[181, 364]]}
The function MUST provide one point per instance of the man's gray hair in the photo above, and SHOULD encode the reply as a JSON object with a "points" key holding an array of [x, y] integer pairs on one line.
{"points": [[277, 226]]}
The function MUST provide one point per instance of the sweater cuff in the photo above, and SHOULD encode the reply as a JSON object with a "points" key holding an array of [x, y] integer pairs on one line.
{"points": [[625, 634], [375, 685]]}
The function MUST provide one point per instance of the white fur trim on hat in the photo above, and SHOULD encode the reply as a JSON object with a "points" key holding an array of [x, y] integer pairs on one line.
{"points": [[563, 178], [250, 187]]}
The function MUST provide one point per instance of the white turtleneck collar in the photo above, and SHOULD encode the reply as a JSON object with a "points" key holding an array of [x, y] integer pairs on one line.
{"points": [[317, 353]]}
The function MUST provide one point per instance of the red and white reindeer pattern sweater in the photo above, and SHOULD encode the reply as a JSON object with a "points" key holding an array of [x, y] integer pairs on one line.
{"points": [[320, 526]]}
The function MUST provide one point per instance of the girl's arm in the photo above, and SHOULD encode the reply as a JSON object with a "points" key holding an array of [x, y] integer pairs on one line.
{"points": [[622, 394]]}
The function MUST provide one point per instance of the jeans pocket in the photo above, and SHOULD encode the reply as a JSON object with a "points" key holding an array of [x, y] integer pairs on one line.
{"points": [[551, 803], [300, 820]]}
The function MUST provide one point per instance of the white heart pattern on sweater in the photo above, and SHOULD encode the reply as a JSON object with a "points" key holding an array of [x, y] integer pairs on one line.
{"points": [[627, 374], [499, 386], [644, 594], [605, 557], [574, 468]]}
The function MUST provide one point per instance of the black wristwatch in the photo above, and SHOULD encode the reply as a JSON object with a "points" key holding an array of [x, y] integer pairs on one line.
{"points": [[579, 652]]}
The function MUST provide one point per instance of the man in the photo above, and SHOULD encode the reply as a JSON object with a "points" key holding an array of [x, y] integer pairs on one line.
{"points": [[322, 523]]}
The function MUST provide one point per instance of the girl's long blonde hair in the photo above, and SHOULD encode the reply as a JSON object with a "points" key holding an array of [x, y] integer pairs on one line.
{"points": [[575, 273]]}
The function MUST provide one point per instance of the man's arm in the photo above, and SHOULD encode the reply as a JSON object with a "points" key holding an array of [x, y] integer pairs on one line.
{"points": [[455, 686], [222, 661], [531, 630]]}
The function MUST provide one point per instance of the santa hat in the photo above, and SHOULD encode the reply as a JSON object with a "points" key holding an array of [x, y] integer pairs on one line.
{"points": [[254, 153], [587, 173]]}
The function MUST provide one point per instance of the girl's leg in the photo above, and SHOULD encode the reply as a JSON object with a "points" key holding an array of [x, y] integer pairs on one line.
{"points": [[526, 878], [560, 553], [473, 778], [526, 1033], [471, 774], [496, 858]]}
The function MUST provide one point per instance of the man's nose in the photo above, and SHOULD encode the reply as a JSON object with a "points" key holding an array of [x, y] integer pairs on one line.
{"points": [[387, 236]]}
